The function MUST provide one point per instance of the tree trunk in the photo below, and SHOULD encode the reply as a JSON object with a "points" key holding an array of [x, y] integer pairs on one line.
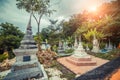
{"points": [[39, 48]]}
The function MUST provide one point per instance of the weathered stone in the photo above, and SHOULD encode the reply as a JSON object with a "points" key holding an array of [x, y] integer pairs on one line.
{"points": [[27, 65], [80, 57], [96, 48]]}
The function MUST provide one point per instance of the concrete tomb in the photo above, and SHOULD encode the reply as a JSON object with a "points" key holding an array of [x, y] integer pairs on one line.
{"points": [[80, 57], [27, 65]]}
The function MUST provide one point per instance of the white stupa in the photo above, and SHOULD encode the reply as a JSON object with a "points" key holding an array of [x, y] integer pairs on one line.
{"points": [[60, 47], [96, 48], [87, 48], [75, 43], [80, 51], [27, 65], [110, 46], [80, 57]]}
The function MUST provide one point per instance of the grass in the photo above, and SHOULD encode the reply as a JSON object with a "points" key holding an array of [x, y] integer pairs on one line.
{"points": [[65, 72], [109, 56]]}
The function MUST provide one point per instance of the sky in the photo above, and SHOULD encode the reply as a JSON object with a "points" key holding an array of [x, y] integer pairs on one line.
{"points": [[64, 10]]}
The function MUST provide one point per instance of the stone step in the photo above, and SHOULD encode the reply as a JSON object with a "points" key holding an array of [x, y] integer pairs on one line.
{"points": [[80, 59], [81, 63]]}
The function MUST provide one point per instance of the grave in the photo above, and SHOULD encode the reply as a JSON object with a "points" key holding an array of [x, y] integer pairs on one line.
{"points": [[61, 47], [80, 57], [95, 45], [27, 65]]}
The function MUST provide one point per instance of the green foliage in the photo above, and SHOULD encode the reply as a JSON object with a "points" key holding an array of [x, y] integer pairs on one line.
{"points": [[37, 8], [84, 45], [54, 48], [70, 41], [10, 36], [3, 57], [11, 54], [38, 40], [110, 55], [1, 77], [90, 46], [69, 50], [102, 45], [53, 33], [90, 34]]}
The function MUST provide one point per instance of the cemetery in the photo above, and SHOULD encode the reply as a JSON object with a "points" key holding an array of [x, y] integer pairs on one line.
{"points": [[83, 46]]}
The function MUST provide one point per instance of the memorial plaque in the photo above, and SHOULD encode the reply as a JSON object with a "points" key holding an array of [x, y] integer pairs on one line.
{"points": [[26, 58], [27, 65]]}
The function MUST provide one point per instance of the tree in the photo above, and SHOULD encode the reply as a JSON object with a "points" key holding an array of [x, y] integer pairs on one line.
{"points": [[37, 8], [53, 32], [90, 34], [10, 36]]}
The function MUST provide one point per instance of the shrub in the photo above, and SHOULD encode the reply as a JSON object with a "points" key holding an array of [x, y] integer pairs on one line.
{"points": [[102, 45], [90, 46], [69, 50], [84, 45], [11, 54], [3, 56], [110, 55], [54, 48]]}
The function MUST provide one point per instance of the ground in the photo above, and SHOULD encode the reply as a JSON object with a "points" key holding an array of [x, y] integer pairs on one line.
{"points": [[78, 70]]}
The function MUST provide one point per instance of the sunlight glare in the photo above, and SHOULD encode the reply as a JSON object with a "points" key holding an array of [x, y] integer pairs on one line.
{"points": [[93, 8]]}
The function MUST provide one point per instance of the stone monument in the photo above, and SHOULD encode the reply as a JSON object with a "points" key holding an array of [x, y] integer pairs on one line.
{"points": [[87, 48], [110, 47], [60, 47], [75, 43], [80, 57], [95, 45], [27, 66]]}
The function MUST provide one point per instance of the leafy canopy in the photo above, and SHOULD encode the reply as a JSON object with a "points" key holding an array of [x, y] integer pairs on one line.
{"points": [[10, 36]]}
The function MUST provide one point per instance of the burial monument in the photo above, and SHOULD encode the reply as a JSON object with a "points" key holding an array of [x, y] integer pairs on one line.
{"points": [[80, 57], [27, 65]]}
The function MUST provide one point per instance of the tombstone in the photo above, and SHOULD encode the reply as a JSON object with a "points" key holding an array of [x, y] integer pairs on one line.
{"points": [[110, 46], [80, 57], [106, 46], [27, 65], [95, 45], [87, 48], [75, 43], [65, 45], [60, 47], [80, 51]]}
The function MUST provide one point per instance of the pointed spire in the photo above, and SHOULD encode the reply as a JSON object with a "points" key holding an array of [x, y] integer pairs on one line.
{"points": [[94, 37], [80, 38], [28, 41], [75, 39], [29, 23], [75, 43]]}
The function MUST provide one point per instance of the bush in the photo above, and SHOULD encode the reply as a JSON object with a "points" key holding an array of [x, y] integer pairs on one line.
{"points": [[3, 56], [11, 54], [90, 46], [84, 45], [102, 45], [69, 50], [109, 56], [54, 48]]}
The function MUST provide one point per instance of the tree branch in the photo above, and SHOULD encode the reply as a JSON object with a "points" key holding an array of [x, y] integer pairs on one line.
{"points": [[35, 19], [40, 17]]}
